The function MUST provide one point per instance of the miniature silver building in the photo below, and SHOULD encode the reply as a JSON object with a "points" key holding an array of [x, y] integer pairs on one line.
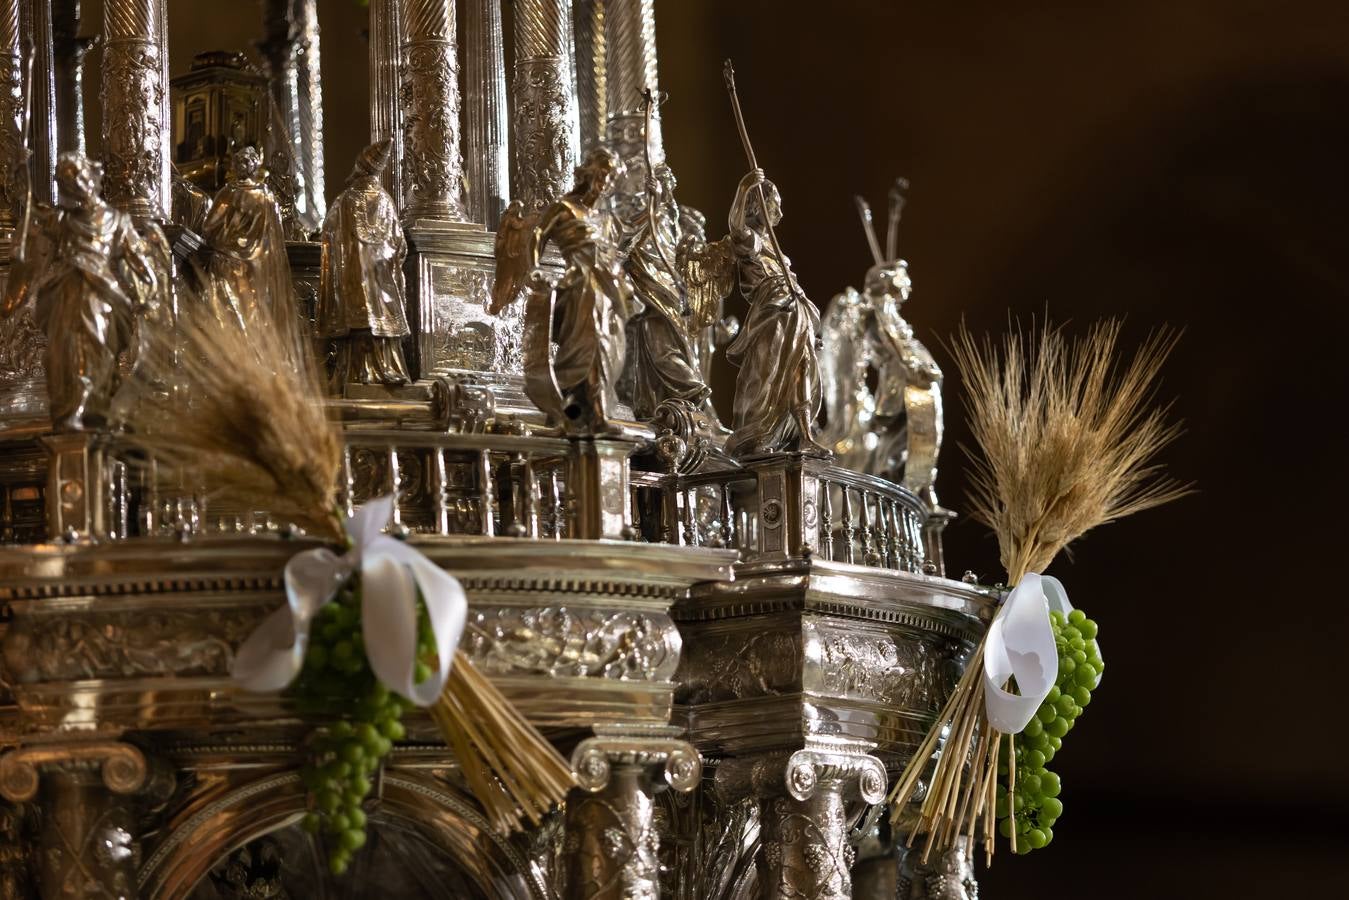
{"points": [[736, 655]]}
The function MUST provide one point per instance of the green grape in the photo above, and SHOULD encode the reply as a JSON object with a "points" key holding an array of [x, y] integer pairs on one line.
{"points": [[1032, 807], [336, 683]]}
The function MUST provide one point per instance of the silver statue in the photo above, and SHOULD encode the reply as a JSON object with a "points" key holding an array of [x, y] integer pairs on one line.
{"points": [[248, 263], [777, 394], [362, 292], [585, 311], [882, 386], [96, 283], [191, 205], [667, 276]]}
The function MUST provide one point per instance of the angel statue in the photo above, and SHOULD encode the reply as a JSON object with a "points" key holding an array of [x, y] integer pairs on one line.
{"points": [[585, 311], [248, 263], [361, 291], [97, 285], [680, 284], [882, 386], [777, 394]]}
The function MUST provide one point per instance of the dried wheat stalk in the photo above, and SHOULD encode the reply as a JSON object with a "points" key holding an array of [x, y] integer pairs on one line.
{"points": [[1066, 440]]}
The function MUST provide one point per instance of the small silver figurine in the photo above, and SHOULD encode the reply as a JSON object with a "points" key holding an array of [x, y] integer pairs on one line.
{"points": [[777, 393], [191, 205], [888, 424], [665, 362], [95, 283], [362, 292], [248, 263], [585, 311]]}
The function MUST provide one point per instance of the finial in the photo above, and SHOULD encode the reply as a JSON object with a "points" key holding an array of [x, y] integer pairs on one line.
{"points": [[864, 212]]}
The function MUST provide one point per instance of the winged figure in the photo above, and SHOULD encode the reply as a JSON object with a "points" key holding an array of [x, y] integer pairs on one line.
{"points": [[585, 311]]}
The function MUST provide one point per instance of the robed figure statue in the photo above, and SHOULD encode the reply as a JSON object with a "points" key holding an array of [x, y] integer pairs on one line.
{"points": [[248, 264], [777, 393], [362, 293], [587, 309], [665, 363], [96, 283]]}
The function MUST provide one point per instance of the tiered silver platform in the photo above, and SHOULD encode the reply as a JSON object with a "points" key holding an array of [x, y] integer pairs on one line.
{"points": [[737, 656]]}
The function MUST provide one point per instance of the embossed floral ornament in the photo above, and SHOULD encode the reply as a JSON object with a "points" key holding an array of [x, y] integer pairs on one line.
{"points": [[392, 574]]}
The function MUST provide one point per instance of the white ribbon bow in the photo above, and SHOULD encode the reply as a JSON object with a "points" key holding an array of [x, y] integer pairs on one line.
{"points": [[391, 575], [1021, 644]]}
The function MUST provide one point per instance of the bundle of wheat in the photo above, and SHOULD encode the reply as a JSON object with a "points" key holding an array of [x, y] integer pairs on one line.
{"points": [[1066, 441]]}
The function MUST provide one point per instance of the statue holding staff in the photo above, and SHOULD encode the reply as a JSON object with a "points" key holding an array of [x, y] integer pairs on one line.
{"points": [[777, 394]]}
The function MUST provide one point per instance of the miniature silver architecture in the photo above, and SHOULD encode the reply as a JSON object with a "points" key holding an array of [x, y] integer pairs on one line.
{"points": [[737, 654]]}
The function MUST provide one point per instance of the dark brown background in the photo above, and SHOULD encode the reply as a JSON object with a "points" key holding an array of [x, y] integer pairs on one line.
{"points": [[1175, 161]]}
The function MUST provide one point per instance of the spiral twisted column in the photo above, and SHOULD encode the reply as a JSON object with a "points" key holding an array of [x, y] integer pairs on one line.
{"points": [[545, 109], [630, 27], [291, 50], [433, 165], [486, 124], [135, 155], [11, 110], [592, 77]]}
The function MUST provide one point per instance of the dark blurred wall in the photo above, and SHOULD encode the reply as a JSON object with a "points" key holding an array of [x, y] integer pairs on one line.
{"points": [[1176, 162]]}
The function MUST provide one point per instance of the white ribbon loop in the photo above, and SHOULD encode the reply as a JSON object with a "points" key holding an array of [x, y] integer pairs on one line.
{"points": [[1021, 645], [392, 574]]}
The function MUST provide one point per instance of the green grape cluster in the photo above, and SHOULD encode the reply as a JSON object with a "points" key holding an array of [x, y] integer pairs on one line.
{"points": [[1032, 807], [336, 682]]}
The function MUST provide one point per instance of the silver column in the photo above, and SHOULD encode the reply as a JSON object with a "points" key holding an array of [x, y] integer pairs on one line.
{"points": [[486, 146], [592, 81], [433, 168], [630, 26], [291, 50], [544, 116], [11, 108], [386, 112], [36, 24], [135, 157], [68, 50]]}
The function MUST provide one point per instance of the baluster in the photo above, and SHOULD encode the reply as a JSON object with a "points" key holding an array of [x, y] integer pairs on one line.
{"points": [[516, 526], [864, 523], [892, 536], [531, 491], [486, 519], [827, 519], [848, 531], [150, 510], [915, 541], [727, 516], [555, 511], [440, 490], [882, 532], [348, 487], [690, 496], [395, 479]]}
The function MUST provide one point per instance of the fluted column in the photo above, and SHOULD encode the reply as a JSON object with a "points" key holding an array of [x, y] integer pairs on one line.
{"points": [[135, 153], [544, 102], [68, 50], [386, 111], [592, 77], [433, 172], [486, 123], [11, 107], [36, 25]]}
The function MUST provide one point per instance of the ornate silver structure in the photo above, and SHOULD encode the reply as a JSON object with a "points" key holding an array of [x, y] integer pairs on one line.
{"points": [[736, 650]]}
